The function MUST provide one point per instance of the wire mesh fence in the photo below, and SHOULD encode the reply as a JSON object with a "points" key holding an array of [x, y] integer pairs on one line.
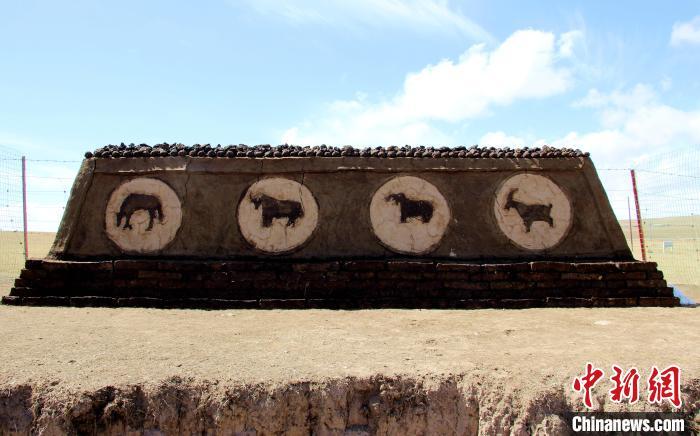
{"points": [[48, 184], [669, 202], [12, 244], [668, 194]]}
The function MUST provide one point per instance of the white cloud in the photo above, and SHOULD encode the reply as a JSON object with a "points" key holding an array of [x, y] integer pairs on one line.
{"points": [[360, 131], [524, 66], [666, 83], [639, 95], [500, 139], [634, 124], [686, 32], [420, 15], [568, 42], [615, 106], [636, 130]]}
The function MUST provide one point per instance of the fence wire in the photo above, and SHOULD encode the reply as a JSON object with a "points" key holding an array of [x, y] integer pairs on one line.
{"points": [[669, 202], [668, 188], [11, 216]]}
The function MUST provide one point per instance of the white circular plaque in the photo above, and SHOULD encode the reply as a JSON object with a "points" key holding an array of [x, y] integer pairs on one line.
{"points": [[143, 215], [532, 211], [409, 215], [277, 215]]}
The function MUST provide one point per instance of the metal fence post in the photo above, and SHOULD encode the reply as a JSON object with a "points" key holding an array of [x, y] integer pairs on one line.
{"points": [[24, 206], [639, 216], [629, 220]]}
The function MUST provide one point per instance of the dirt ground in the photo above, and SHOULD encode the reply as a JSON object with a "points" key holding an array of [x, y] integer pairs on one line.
{"points": [[511, 370]]}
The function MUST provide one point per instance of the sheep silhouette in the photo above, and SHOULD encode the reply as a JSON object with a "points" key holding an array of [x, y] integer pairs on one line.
{"points": [[529, 213], [273, 208], [135, 202], [420, 209]]}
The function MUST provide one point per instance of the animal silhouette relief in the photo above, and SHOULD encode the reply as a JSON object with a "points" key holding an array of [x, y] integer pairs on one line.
{"points": [[273, 208], [529, 213], [420, 209], [135, 202]]}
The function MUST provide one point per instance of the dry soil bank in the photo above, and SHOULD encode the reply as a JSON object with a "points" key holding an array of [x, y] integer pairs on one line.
{"points": [[69, 370]]}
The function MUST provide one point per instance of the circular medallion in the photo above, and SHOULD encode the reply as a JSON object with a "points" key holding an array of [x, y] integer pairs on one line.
{"points": [[277, 215], [532, 211], [409, 215], [143, 215]]}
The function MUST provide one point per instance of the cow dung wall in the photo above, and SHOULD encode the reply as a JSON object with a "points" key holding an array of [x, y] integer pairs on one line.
{"points": [[347, 207], [460, 207]]}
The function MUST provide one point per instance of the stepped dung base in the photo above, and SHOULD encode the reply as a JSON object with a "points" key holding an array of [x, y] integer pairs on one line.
{"points": [[356, 284]]}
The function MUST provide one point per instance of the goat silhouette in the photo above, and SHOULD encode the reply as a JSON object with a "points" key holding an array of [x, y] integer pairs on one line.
{"points": [[135, 202], [529, 213], [273, 208], [420, 209]]}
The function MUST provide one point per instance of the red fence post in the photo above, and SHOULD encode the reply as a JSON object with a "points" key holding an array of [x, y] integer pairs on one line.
{"points": [[24, 206], [639, 216], [629, 219]]}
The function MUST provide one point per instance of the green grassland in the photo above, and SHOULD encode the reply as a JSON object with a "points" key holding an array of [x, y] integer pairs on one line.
{"points": [[12, 254], [680, 263]]}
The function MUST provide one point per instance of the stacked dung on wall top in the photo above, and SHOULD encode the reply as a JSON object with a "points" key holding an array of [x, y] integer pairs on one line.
{"points": [[287, 226]]}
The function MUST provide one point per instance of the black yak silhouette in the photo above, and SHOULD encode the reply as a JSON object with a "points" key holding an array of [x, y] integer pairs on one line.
{"points": [[530, 213], [420, 209], [273, 208], [135, 202]]}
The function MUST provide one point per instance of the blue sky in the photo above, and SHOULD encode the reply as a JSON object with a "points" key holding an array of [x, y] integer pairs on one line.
{"points": [[619, 79]]}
